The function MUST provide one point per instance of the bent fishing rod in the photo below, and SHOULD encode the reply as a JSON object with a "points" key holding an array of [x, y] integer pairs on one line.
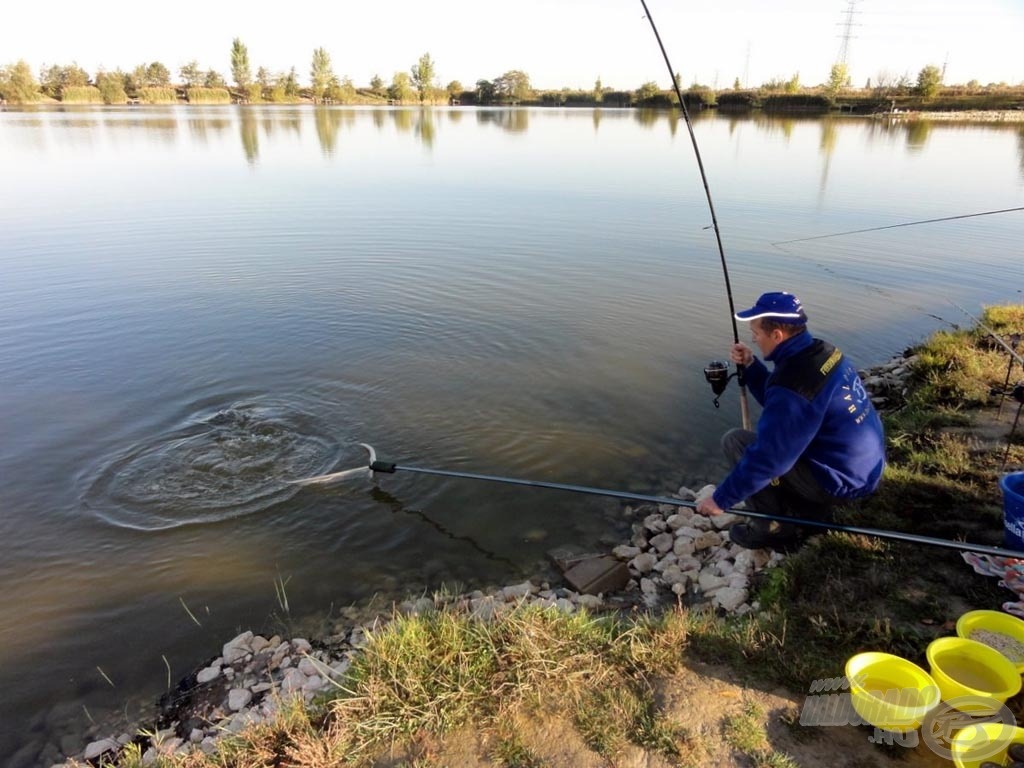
{"points": [[716, 368], [375, 466]]}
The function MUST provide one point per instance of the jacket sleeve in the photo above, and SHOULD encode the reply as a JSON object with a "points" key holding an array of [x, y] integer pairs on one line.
{"points": [[755, 378], [788, 424]]}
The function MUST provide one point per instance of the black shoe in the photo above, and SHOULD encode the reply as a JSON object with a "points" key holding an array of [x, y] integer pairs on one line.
{"points": [[748, 537]]}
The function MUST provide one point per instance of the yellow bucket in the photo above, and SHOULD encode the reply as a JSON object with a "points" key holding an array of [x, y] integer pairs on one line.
{"points": [[993, 621], [977, 744], [890, 692], [964, 667]]}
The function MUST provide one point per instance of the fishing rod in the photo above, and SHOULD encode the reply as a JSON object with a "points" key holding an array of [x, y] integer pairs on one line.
{"points": [[993, 334], [715, 373], [387, 467], [896, 226]]}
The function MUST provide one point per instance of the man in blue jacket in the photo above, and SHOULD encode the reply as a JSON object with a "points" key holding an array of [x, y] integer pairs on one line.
{"points": [[819, 439]]}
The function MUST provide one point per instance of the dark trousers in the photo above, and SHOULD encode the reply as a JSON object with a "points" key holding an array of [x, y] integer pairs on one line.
{"points": [[795, 494]]}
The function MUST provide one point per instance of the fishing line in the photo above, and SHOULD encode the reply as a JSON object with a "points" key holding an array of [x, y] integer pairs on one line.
{"points": [[895, 226], [744, 407]]}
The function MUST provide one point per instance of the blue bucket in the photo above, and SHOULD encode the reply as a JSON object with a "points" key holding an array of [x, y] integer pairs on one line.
{"points": [[1013, 509]]}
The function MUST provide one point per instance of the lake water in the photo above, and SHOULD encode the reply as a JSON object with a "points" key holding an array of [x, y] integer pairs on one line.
{"points": [[200, 304]]}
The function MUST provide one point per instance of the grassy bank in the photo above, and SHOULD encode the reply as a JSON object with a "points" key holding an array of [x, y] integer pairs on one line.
{"points": [[503, 691]]}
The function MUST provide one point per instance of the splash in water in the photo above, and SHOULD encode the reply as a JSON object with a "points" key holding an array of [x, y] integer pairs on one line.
{"points": [[234, 462]]}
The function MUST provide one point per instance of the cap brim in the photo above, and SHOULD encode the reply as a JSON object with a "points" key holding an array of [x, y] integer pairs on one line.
{"points": [[783, 317]]}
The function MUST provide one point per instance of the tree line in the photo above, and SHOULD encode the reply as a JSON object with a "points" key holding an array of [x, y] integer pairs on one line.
{"points": [[152, 82]]}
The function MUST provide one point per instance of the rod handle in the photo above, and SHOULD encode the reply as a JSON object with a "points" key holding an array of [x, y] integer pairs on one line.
{"points": [[388, 467]]}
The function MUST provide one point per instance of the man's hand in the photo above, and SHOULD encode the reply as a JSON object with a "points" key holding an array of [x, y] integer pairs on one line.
{"points": [[741, 354], [708, 507]]}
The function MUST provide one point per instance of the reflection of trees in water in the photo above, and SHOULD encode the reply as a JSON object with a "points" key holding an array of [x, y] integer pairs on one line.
{"points": [[917, 133], [1020, 149], [200, 128], [249, 129], [164, 128], [827, 145], [378, 118], [327, 121], [425, 128], [646, 117], [596, 118], [404, 119], [511, 120], [673, 121], [455, 115]]}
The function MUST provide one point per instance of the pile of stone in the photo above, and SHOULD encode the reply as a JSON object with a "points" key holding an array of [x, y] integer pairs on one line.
{"points": [[887, 384], [677, 552]]}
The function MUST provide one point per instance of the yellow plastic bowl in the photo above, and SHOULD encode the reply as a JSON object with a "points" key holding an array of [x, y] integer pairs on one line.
{"points": [[890, 692], [964, 667], [992, 621], [980, 743]]}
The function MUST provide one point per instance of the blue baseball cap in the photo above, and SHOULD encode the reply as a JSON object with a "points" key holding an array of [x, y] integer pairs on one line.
{"points": [[780, 306]]}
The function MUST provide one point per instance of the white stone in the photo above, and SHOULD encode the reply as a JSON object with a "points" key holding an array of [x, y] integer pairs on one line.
{"points": [[238, 698], [677, 521], [208, 745], [665, 562], [293, 680], [647, 586], [259, 643], [313, 683], [662, 542], [643, 563], [483, 608], [744, 562], [688, 563], [738, 581], [706, 540], [301, 645], [169, 746], [566, 606], [688, 532], [260, 687], [590, 602], [729, 598], [683, 547], [237, 648], [196, 736], [672, 575], [708, 582], [518, 591], [686, 494], [207, 674], [679, 588], [626, 552], [655, 523], [725, 567], [724, 520], [97, 748], [308, 667], [701, 522]]}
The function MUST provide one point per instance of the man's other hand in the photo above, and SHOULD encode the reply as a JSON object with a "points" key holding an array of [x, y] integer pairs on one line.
{"points": [[708, 507]]}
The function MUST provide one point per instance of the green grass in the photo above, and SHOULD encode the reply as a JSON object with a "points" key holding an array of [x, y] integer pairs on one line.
{"points": [[207, 96], [745, 732], [86, 94], [158, 95]]}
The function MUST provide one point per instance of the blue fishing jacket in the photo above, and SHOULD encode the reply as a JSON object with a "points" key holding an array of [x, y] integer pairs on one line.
{"points": [[816, 409]]}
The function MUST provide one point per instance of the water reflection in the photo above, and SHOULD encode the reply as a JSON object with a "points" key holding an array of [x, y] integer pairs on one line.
{"points": [[404, 120], [249, 130], [425, 128], [646, 117], [1020, 149], [596, 118], [455, 115], [200, 128], [511, 120], [327, 121], [827, 145], [378, 118], [163, 128], [917, 134]]}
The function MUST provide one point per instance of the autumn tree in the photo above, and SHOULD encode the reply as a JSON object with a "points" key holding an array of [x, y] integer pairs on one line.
{"points": [[401, 87], [928, 81], [423, 75], [513, 86], [240, 71], [837, 78], [321, 74], [190, 74], [17, 83]]}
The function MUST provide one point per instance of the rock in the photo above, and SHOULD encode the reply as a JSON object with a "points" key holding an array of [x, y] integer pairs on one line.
{"points": [[292, 681], [169, 746], [208, 745], [679, 588], [196, 736], [688, 532], [686, 494], [725, 567], [724, 520], [655, 523], [648, 587], [237, 648], [672, 575], [701, 523], [483, 608], [639, 540], [313, 683], [259, 643], [683, 547], [738, 581], [729, 598], [626, 552], [229, 673], [260, 687], [706, 540], [665, 562], [677, 521], [564, 605], [590, 602], [207, 674], [744, 562], [308, 667], [663, 542], [643, 563], [239, 698], [97, 748], [704, 492], [301, 645], [708, 582], [519, 591]]}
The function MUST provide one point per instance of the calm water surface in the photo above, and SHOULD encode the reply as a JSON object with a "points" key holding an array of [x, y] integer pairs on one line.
{"points": [[198, 305]]}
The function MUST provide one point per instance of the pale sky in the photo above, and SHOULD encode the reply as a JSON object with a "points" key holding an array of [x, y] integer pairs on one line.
{"points": [[557, 43]]}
